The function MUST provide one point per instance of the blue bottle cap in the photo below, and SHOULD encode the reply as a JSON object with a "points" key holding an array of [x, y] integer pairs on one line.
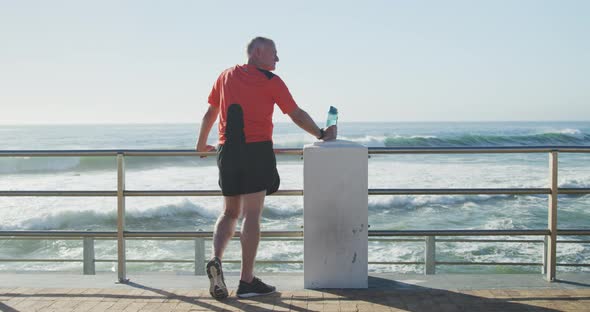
{"points": [[333, 110]]}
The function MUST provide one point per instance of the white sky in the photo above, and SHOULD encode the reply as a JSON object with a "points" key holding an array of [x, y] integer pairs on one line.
{"points": [[155, 61]]}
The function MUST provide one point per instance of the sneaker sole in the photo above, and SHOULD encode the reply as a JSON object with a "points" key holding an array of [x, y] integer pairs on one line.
{"points": [[217, 287], [250, 295]]}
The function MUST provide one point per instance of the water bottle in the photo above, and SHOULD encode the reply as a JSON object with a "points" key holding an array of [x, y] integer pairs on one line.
{"points": [[332, 116]]}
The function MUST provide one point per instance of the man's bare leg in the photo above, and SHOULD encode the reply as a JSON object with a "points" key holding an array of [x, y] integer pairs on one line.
{"points": [[252, 205], [226, 224], [224, 230]]}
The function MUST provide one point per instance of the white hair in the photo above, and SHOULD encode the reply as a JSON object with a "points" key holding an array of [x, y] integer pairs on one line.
{"points": [[257, 42]]}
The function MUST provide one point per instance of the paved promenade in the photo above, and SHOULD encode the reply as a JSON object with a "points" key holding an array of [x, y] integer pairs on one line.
{"points": [[387, 292]]}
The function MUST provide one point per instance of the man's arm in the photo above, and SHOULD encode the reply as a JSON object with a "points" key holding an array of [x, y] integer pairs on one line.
{"points": [[208, 120], [302, 119]]}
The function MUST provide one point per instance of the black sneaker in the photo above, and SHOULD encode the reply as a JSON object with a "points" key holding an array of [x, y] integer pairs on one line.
{"points": [[255, 288], [217, 287]]}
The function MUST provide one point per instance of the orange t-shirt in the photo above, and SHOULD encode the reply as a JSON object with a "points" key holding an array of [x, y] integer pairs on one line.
{"points": [[256, 91]]}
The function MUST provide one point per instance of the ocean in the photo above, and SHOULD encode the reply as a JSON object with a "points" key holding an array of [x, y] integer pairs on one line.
{"points": [[286, 213]]}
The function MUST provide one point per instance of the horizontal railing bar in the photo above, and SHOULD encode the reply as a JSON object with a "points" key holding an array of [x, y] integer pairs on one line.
{"points": [[574, 264], [154, 261], [301, 262], [474, 240], [128, 234], [132, 193], [57, 153], [489, 240], [448, 191], [409, 191], [193, 261], [258, 261], [57, 234], [170, 234], [202, 193], [205, 234], [279, 151], [60, 193], [486, 263], [145, 261], [280, 234], [572, 191], [126, 152], [462, 191], [460, 233], [276, 238], [396, 262], [270, 239], [267, 261], [573, 232], [210, 234], [511, 263], [478, 150], [167, 153], [299, 151], [41, 260], [394, 240]]}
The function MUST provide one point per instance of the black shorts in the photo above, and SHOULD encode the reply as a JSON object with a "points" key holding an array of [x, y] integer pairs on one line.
{"points": [[247, 168]]}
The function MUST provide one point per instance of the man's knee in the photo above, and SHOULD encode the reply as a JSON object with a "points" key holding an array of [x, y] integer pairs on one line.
{"points": [[232, 213], [252, 213], [232, 207], [253, 204]]}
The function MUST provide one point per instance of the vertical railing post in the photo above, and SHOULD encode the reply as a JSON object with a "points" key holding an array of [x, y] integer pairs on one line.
{"points": [[121, 266], [430, 255], [199, 256], [88, 252], [545, 244], [552, 218]]}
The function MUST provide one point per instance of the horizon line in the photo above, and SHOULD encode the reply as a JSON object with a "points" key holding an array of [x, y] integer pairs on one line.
{"points": [[285, 122]]}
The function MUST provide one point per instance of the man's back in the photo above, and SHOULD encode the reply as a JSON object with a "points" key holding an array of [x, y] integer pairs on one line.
{"points": [[255, 91]]}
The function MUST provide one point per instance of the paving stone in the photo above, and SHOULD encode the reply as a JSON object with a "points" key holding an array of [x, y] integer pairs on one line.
{"points": [[41, 305], [15, 300], [86, 306], [23, 304], [119, 306], [65, 304], [102, 306], [135, 306], [159, 307]]}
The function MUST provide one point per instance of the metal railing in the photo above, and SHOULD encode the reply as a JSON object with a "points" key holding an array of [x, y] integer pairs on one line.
{"points": [[549, 234]]}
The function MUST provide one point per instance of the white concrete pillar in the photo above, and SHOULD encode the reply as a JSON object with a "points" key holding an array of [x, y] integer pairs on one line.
{"points": [[335, 215]]}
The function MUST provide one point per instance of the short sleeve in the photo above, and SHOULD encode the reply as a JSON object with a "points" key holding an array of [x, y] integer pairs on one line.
{"points": [[214, 96], [282, 96]]}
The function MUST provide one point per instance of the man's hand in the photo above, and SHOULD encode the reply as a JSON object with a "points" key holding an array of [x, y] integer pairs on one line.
{"points": [[330, 133], [205, 149], [208, 120]]}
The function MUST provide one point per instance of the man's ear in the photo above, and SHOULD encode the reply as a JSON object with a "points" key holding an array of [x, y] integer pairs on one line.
{"points": [[257, 51]]}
